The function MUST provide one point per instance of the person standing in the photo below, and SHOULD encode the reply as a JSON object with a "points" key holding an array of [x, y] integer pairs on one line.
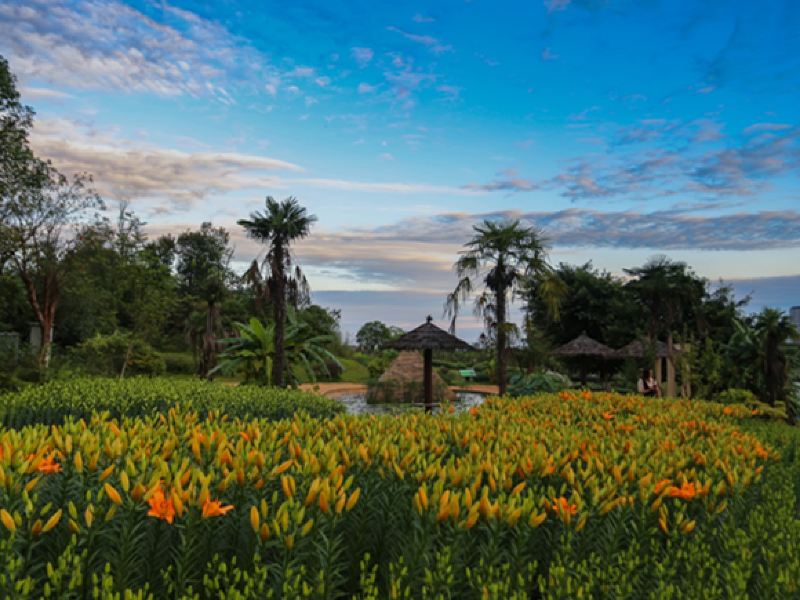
{"points": [[648, 385]]}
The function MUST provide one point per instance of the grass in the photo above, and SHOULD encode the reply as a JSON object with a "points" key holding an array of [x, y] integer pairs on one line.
{"points": [[354, 371]]}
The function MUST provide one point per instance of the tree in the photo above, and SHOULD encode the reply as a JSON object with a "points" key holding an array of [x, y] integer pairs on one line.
{"points": [[508, 258], [37, 205], [594, 302], [202, 267], [774, 328], [670, 293], [278, 227], [372, 335]]}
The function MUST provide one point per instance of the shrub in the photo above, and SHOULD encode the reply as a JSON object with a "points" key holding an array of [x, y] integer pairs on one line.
{"points": [[737, 396], [557, 496], [52, 402], [179, 363], [106, 355], [522, 384]]}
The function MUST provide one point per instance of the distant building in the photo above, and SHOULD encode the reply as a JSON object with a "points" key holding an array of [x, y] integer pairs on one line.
{"points": [[794, 315]]}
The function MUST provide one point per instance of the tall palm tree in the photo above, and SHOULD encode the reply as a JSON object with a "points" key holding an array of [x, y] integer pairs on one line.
{"points": [[278, 227], [509, 258]]}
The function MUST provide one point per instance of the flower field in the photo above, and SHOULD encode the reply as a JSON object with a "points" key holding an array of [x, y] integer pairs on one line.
{"points": [[557, 496], [139, 396]]}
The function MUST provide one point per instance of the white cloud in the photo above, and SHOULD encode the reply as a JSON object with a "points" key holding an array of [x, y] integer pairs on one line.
{"points": [[362, 56], [432, 43], [365, 88], [109, 45], [128, 170], [39, 93]]}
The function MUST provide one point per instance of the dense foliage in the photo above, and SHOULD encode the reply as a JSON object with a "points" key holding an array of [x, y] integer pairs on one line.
{"points": [[722, 346], [79, 398], [558, 496]]}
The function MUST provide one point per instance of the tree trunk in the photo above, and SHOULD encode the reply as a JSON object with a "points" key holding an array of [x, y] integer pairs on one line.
{"points": [[279, 312], [44, 311], [428, 379], [501, 341], [209, 353], [126, 360], [47, 339]]}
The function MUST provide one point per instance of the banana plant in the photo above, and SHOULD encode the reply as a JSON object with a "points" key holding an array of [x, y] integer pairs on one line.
{"points": [[253, 352]]}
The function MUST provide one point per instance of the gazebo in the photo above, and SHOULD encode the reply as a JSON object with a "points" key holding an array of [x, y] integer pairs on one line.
{"points": [[428, 337], [641, 349], [584, 347]]}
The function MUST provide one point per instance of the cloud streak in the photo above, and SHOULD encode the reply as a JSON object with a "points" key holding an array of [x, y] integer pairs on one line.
{"points": [[108, 45]]}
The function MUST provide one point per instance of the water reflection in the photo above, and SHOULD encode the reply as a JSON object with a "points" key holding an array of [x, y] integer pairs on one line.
{"points": [[356, 404]]}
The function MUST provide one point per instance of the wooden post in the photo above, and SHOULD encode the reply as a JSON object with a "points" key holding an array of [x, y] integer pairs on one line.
{"points": [[428, 379]]}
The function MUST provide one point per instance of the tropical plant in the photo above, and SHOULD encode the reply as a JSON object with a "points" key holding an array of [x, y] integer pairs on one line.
{"points": [[254, 351], [504, 257], [278, 227], [774, 329]]}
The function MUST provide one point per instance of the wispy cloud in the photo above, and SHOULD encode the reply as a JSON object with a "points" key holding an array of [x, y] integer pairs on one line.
{"points": [[508, 181], [548, 54], [40, 93], [108, 45], [176, 180], [128, 170], [430, 42], [556, 5], [362, 56]]}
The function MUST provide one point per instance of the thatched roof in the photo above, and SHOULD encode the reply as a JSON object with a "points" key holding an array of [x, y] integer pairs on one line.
{"points": [[428, 337], [640, 349], [583, 345], [407, 369]]}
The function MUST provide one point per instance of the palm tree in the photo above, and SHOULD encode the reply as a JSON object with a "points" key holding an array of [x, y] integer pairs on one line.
{"points": [[281, 224], [509, 258], [774, 328], [253, 351]]}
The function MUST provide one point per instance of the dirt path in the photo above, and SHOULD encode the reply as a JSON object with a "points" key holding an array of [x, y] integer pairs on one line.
{"points": [[335, 389], [343, 387]]}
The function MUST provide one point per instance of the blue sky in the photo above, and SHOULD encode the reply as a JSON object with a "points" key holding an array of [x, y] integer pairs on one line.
{"points": [[624, 128]]}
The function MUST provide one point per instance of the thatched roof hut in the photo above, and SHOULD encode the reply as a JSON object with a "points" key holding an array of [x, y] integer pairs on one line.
{"points": [[428, 337], [583, 345], [403, 381]]}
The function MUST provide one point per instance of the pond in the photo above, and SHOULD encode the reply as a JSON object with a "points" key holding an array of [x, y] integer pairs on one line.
{"points": [[356, 404]]}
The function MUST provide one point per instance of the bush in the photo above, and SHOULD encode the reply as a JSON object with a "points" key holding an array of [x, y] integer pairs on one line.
{"points": [[53, 402], [737, 396], [539, 382], [106, 355], [558, 496], [179, 363]]}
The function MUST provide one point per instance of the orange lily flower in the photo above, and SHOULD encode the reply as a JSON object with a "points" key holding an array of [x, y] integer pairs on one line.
{"points": [[48, 465], [161, 506], [215, 508], [686, 492], [562, 506]]}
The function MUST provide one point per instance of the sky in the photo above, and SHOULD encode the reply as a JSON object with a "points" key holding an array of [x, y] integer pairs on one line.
{"points": [[624, 129]]}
